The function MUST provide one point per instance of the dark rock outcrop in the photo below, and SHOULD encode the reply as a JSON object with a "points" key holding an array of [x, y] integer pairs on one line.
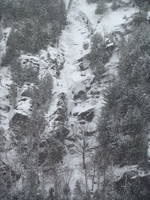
{"points": [[80, 95], [5, 108], [87, 115], [84, 64], [61, 132]]}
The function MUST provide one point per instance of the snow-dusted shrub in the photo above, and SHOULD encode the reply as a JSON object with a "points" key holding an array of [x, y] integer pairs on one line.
{"points": [[11, 51], [99, 55], [115, 5], [98, 49], [101, 7], [78, 191], [121, 130], [2, 140], [125, 120], [28, 37], [13, 94], [139, 18], [43, 10], [135, 64], [92, 1], [45, 89], [35, 24], [145, 4], [118, 4], [86, 46], [51, 152], [21, 74], [97, 1]]}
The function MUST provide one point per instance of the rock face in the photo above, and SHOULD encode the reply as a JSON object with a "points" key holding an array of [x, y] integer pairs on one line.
{"points": [[20, 125], [30, 63], [27, 90], [87, 115], [80, 95], [21, 116], [84, 64], [5, 108], [72, 109]]}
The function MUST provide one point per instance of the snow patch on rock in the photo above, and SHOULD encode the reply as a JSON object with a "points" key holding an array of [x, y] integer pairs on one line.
{"points": [[5, 107]]}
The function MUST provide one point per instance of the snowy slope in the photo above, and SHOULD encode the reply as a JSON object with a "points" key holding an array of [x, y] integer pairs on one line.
{"points": [[5, 84], [82, 23], [5, 107], [69, 80]]}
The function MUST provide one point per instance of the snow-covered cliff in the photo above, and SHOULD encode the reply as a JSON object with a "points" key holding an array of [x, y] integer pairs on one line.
{"points": [[71, 108]]}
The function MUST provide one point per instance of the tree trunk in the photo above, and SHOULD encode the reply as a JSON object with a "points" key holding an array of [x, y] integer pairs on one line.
{"points": [[104, 185], [93, 178], [70, 3], [85, 172]]}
